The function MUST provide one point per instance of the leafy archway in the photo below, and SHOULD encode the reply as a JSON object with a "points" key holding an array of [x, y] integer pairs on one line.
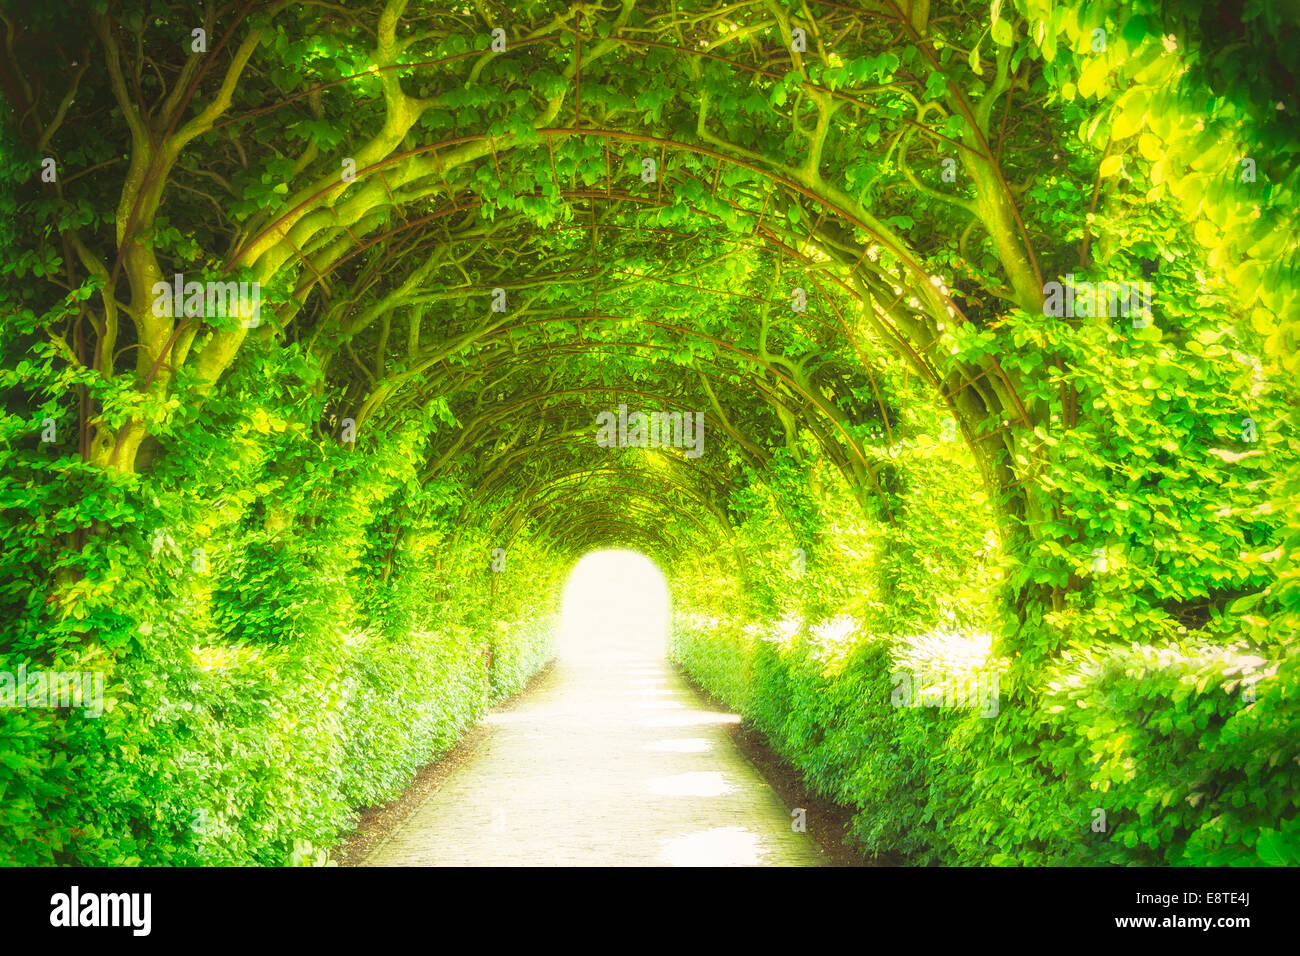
{"points": [[843, 238]]}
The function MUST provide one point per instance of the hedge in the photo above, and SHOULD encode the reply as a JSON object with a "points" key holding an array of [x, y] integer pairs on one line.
{"points": [[1121, 755]]}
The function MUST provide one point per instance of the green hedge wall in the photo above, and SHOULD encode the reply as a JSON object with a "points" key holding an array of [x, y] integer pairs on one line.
{"points": [[235, 759], [287, 628], [1123, 755]]}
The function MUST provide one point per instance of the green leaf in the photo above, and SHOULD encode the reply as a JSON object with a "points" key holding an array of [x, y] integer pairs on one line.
{"points": [[1093, 75], [1135, 31], [1150, 147], [1130, 112], [1274, 849]]}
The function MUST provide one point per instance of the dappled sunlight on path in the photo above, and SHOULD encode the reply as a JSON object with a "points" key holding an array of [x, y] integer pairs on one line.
{"points": [[611, 759]]}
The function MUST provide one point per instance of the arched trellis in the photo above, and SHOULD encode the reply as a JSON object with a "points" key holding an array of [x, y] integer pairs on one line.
{"points": [[711, 495], [912, 32], [879, 235], [716, 486], [320, 229], [638, 503], [680, 329], [962, 379], [812, 399], [521, 491]]}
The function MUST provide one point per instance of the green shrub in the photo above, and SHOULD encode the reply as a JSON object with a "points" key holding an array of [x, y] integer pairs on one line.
{"points": [[1125, 755]]}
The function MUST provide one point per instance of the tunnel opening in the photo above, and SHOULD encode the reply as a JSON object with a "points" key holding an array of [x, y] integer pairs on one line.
{"points": [[615, 606]]}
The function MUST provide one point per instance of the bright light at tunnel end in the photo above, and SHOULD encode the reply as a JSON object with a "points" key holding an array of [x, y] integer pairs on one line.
{"points": [[615, 601]]}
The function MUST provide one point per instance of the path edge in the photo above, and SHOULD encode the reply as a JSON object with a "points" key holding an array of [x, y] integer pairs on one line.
{"points": [[376, 825]]}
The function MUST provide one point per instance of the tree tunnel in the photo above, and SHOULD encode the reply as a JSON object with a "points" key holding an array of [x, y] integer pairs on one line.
{"points": [[984, 317]]}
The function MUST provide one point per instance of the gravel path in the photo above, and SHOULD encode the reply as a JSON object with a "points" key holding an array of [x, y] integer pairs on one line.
{"points": [[612, 759]]}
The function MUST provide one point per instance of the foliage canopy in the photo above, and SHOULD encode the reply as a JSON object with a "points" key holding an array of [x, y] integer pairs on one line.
{"points": [[828, 228]]}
